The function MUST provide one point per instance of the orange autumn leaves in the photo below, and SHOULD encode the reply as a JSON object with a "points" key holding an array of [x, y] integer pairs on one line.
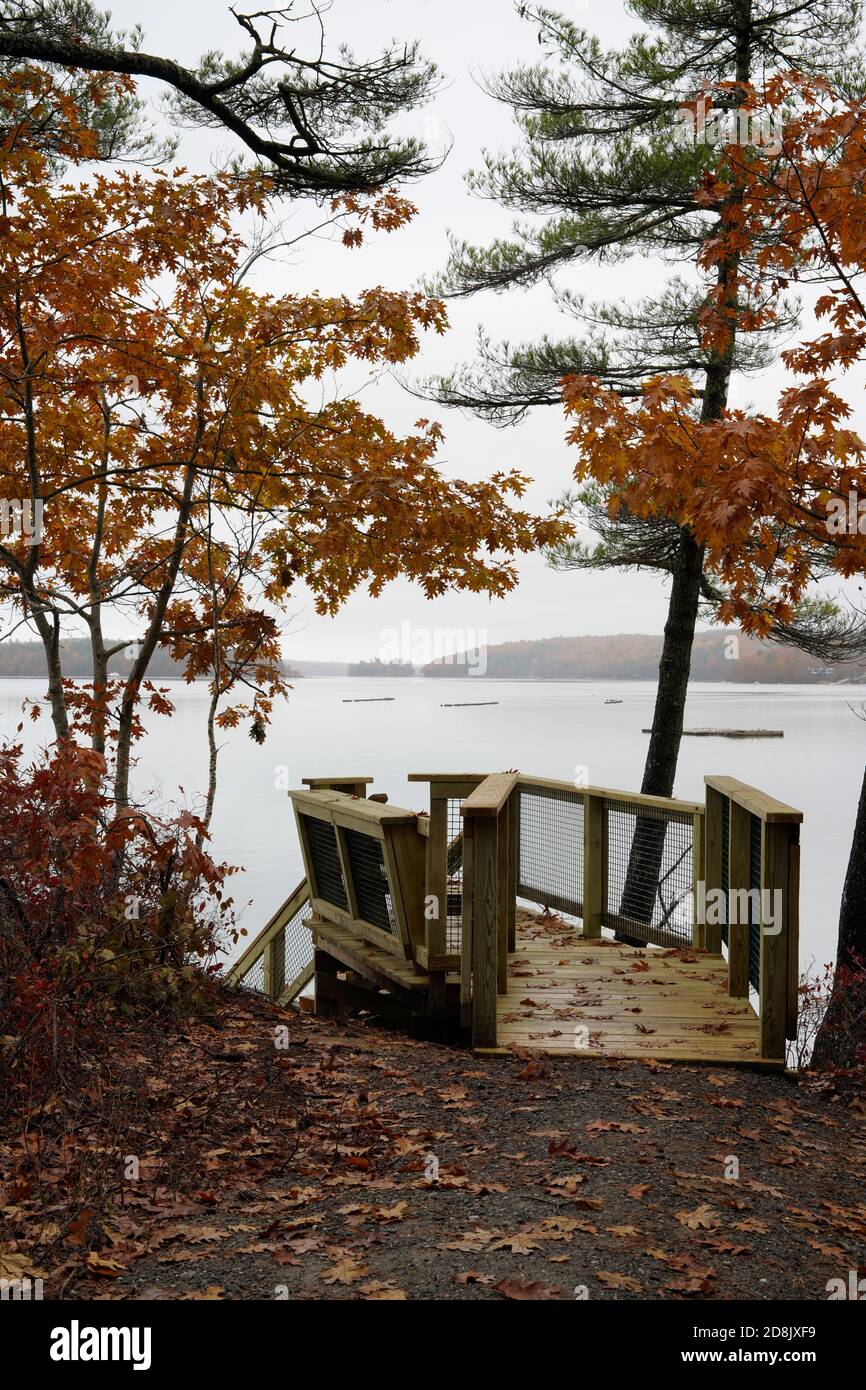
{"points": [[186, 432], [753, 489], [757, 489]]}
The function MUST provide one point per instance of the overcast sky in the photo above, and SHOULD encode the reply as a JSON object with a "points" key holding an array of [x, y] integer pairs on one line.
{"points": [[466, 38]]}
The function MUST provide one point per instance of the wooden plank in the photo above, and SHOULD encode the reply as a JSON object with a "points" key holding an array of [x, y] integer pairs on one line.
{"points": [[678, 1010], [710, 933], [513, 866], [368, 960], [437, 778], [300, 982], [489, 798], [552, 900], [699, 875], [398, 902], [593, 864], [340, 815], [467, 924], [485, 895], [739, 840], [773, 988], [350, 810], [436, 963], [663, 803], [274, 965], [345, 866], [352, 786], [386, 941], [651, 936], [504, 891], [409, 855], [758, 802], [793, 1002]]}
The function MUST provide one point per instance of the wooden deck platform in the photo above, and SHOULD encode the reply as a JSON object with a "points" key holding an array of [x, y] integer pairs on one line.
{"points": [[568, 995], [409, 916]]}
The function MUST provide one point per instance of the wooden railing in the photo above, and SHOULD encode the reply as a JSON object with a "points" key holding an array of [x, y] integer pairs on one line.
{"points": [[621, 860], [644, 867], [490, 862], [753, 851], [278, 962]]}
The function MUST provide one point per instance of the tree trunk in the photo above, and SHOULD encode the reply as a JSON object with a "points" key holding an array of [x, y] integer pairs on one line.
{"points": [[49, 632], [674, 667], [647, 847], [660, 769], [841, 1040]]}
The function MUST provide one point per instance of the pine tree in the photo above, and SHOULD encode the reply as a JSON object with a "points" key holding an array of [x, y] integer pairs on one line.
{"points": [[608, 165]]}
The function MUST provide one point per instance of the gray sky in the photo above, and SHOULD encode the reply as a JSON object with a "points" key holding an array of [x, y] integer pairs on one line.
{"points": [[465, 38]]}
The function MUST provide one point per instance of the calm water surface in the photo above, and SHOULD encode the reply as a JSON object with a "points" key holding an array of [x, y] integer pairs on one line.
{"points": [[547, 728]]}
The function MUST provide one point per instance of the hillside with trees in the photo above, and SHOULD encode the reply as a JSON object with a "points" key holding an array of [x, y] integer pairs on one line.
{"points": [[718, 656]]}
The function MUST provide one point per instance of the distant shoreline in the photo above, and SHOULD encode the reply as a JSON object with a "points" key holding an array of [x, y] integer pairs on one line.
{"points": [[719, 657]]}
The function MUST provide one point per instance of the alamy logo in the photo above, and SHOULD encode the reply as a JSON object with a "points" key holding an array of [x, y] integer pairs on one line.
{"points": [[854, 1289], [21, 1290], [77, 1343], [740, 907], [21, 518]]}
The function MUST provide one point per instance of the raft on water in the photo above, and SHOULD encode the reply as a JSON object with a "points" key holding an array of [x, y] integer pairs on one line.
{"points": [[371, 700], [730, 733]]}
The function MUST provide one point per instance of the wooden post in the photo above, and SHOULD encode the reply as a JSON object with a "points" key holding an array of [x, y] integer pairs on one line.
{"points": [[274, 965], [739, 840], [325, 965], [712, 931], [503, 881], [594, 867], [513, 865], [436, 899], [466, 932], [793, 1008], [485, 902], [775, 877], [699, 875]]}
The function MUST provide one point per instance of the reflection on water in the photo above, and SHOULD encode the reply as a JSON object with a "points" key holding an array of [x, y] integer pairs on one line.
{"points": [[548, 728]]}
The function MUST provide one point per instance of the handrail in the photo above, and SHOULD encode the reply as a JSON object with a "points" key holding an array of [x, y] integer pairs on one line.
{"points": [[489, 798], [355, 786], [766, 808], [753, 859], [661, 803], [341, 806]]}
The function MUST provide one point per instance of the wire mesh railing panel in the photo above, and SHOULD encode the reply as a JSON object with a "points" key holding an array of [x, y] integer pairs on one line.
{"points": [[328, 874], [254, 978], [550, 869], [454, 876], [754, 901], [649, 872], [297, 950], [370, 879]]}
